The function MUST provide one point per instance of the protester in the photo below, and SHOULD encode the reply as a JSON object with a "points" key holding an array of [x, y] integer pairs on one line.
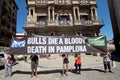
{"points": [[34, 64], [8, 66], [77, 64], [107, 61], [65, 64]]}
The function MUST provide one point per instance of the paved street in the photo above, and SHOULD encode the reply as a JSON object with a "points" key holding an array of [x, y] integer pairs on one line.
{"points": [[92, 69]]}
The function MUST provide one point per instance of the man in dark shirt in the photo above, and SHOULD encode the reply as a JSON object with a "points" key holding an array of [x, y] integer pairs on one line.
{"points": [[34, 63]]}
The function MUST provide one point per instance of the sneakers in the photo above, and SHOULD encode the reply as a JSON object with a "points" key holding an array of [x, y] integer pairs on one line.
{"points": [[110, 71]]}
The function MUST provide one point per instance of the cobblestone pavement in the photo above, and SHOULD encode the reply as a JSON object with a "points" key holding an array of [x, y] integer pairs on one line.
{"points": [[92, 69]]}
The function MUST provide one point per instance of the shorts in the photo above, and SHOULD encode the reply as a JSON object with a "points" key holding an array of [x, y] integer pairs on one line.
{"points": [[33, 65]]}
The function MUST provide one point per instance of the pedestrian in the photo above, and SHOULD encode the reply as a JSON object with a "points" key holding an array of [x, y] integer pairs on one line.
{"points": [[65, 64], [107, 61], [77, 64], [34, 64], [8, 66]]}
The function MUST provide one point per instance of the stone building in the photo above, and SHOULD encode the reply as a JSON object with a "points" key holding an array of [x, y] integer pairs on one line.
{"points": [[8, 17], [62, 17]]}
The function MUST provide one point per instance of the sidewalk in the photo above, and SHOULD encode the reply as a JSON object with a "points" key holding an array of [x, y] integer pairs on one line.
{"points": [[92, 69], [88, 61]]}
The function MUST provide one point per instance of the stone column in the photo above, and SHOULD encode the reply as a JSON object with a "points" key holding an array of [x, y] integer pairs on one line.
{"points": [[92, 14], [74, 13], [96, 16], [28, 16], [95, 34], [57, 19], [53, 13], [28, 12], [48, 13], [34, 15], [78, 13], [71, 19]]}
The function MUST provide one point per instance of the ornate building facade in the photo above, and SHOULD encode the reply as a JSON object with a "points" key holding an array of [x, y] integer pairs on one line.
{"points": [[62, 17], [8, 17]]}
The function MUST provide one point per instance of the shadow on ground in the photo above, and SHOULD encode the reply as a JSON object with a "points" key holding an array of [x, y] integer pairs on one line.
{"points": [[54, 71]]}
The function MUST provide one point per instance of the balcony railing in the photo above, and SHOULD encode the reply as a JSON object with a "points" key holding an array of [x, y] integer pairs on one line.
{"points": [[63, 2], [63, 23], [48, 23], [41, 2], [41, 23], [59, 2], [84, 2], [89, 22]]}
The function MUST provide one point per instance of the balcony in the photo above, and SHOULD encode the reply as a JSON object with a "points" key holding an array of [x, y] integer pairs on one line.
{"points": [[30, 24], [41, 2], [65, 23], [75, 2], [41, 24], [51, 1], [88, 23], [48, 23], [31, 2], [63, 2], [84, 2], [52, 23]]}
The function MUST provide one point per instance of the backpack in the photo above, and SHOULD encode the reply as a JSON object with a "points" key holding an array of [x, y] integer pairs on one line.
{"points": [[66, 60]]}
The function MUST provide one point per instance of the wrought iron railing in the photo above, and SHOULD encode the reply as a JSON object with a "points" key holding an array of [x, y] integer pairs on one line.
{"points": [[41, 2], [88, 22], [64, 23], [63, 2]]}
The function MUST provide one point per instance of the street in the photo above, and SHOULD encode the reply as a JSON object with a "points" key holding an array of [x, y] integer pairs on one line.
{"points": [[92, 69]]}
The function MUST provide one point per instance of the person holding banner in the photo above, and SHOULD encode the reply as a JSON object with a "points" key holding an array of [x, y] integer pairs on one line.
{"points": [[106, 62], [65, 64], [77, 64], [8, 66], [34, 64]]}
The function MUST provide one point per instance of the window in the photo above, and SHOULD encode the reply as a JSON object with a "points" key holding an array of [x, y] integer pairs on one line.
{"points": [[64, 20], [76, 14], [41, 20], [84, 17], [94, 14], [31, 12]]}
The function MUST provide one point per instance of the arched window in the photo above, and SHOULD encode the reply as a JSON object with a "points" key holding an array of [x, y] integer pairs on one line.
{"points": [[94, 14], [31, 12]]}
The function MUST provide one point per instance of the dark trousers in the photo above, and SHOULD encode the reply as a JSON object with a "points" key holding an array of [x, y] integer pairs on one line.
{"points": [[77, 68], [107, 66]]}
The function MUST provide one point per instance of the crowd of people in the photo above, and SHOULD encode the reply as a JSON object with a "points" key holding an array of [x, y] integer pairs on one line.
{"points": [[77, 63]]}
